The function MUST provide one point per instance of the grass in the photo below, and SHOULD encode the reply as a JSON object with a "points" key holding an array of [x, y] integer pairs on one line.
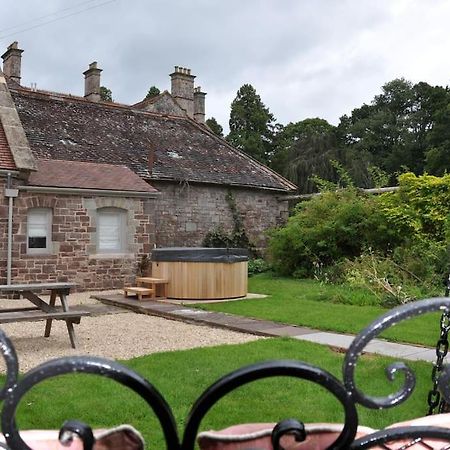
{"points": [[183, 375], [325, 307]]}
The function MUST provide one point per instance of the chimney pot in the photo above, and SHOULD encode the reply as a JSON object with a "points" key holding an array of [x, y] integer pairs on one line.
{"points": [[199, 105], [12, 61], [183, 89], [92, 82]]}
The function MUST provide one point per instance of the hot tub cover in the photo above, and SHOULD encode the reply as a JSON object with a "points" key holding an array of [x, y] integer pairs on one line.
{"points": [[200, 254]]}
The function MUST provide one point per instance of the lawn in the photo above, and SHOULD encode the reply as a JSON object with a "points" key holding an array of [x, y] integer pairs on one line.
{"points": [[183, 375], [325, 307]]}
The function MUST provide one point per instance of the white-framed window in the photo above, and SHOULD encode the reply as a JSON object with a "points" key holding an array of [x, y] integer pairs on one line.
{"points": [[39, 230], [111, 230]]}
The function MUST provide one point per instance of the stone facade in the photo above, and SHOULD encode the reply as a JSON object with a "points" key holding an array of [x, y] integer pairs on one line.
{"points": [[73, 254], [184, 214]]}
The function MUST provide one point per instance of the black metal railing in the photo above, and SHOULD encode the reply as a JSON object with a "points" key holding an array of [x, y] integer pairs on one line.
{"points": [[346, 392]]}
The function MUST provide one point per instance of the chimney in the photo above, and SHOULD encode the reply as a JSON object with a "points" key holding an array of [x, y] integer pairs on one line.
{"points": [[12, 59], [183, 89], [92, 82], [199, 105]]}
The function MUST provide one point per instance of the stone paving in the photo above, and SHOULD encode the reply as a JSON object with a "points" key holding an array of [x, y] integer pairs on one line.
{"points": [[264, 327]]}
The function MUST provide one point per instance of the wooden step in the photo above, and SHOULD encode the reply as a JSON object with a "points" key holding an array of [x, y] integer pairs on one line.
{"points": [[139, 291]]}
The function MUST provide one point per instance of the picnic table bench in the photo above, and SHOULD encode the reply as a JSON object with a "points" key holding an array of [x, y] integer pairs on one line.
{"points": [[41, 309]]}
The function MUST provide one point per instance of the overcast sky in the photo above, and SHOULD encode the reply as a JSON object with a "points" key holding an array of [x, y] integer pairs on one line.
{"points": [[305, 58]]}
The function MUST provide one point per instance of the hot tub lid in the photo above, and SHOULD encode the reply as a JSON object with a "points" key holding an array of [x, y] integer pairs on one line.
{"points": [[200, 254]]}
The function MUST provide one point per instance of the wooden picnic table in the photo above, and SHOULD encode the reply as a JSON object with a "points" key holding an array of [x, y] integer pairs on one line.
{"points": [[41, 309]]}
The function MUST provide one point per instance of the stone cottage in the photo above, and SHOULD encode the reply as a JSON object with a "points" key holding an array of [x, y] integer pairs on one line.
{"points": [[87, 187]]}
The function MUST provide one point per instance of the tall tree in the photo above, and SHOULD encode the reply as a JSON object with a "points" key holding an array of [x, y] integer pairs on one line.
{"points": [[153, 92], [396, 129], [303, 149], [251, 124], [215, 127]]}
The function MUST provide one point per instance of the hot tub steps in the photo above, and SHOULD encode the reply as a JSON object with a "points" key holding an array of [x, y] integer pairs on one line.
{"points": [[139, 291]]}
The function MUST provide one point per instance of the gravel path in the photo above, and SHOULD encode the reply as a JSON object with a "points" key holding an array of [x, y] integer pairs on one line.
{"points": [[119, 334]]}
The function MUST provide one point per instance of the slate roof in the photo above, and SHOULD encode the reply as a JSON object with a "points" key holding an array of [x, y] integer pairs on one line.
{"points": [[155, 146], [6, 158], [75, 174]]}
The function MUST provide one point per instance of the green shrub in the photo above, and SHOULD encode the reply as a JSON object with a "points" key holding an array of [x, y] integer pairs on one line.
{"points": [[421, 206], [257, 265], [328, 228]]}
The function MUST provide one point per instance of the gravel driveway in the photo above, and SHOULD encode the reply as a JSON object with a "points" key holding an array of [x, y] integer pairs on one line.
{"points": [[113, 333]]}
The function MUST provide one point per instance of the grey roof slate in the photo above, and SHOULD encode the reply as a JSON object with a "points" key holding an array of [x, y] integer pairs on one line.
{"points": [[155, 146]]}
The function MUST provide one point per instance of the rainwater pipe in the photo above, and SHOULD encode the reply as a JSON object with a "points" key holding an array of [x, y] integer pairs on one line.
{"points": [[10, 193]]}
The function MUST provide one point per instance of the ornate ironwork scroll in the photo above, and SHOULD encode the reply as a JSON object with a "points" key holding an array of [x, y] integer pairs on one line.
{"points": [[346, 392]]}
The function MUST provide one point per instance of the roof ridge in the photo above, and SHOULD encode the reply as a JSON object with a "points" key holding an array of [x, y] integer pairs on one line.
{"points": [[49, 94]]}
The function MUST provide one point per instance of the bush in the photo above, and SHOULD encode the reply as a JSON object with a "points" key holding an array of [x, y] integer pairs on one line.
{"points": [[421, 207], [257, 265], [328, 228]]}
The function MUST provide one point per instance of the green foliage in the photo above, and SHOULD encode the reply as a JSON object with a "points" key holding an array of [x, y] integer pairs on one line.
{"points": [[152, 92], [237, 238], [395, 244], [390, 282], [304, 148], [251, 124], [105, 94], [328, 228], [214, 126], [379, 177], [420, 209], [218, 238], [257, 265], [400, 126]]}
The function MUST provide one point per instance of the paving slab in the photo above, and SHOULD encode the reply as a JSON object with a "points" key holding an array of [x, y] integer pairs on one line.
{"points": [[323, 337], [382, 347], [288, 330]]}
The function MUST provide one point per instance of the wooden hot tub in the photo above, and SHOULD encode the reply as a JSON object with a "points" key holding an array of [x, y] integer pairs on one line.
{"points": [[202, 273]]}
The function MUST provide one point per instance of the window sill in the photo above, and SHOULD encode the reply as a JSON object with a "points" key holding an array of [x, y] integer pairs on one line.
{"points": [[38, 255], [112, 256]]}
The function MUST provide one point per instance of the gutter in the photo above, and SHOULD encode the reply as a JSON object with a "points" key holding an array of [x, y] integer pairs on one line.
{"points": [[11, 194], [81, 191]]}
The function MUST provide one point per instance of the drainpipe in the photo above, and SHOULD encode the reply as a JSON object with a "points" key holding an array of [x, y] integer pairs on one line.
{"points": [[10, 193]]}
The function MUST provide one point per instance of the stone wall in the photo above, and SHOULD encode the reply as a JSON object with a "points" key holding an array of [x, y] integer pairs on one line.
{"points": [[184, 214], [73, 256]]}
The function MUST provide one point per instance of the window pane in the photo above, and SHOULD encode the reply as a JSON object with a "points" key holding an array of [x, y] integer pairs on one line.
{"points": [[37, 242], [38, 229], [109, 231]]}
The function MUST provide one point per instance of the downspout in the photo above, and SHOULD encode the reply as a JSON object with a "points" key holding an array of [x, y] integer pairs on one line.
{"points": [[11, 193]]}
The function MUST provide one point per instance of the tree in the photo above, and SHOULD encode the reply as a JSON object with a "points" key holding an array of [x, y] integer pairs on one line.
{"points": [[251, 124], [399, 126], [215, 127], [105, 94], [303, 149], [152, 92]]}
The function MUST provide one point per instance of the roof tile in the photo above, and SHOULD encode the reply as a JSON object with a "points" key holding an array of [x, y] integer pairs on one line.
{"points": [[75, 174], [67, 128], [6, 158]]}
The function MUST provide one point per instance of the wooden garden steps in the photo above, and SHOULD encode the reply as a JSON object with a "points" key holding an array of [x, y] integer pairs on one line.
{"points": [[139, 291]]}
